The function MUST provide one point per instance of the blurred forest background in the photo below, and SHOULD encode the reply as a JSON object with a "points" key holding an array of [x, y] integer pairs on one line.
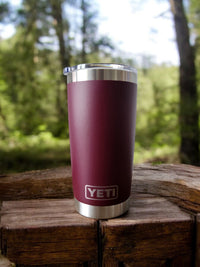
{"points": [[33, 95]]}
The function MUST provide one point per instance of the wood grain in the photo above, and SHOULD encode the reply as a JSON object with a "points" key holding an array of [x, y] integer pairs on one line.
{"points": [[38, 232], [180, 183], [50, 183], [154, 232], [39, 226]]}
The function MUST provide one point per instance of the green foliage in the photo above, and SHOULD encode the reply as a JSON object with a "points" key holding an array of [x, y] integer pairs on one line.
{"points": [[22, 153], [157, 130], [33, 100]]}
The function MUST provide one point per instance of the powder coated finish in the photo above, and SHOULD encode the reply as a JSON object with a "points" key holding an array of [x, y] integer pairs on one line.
{"points": [[102, 115]]}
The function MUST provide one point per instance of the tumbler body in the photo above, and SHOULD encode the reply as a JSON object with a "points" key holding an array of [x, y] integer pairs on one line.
{"points": [[102, 114]]}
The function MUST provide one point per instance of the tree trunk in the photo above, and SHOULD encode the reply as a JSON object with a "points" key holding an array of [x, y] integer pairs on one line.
{"points": [[58, 25], [189, 129], [64, 53], [83, 31]]}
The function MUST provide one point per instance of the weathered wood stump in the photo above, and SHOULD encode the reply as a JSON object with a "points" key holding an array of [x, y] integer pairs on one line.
{"points": [[39, 226]]}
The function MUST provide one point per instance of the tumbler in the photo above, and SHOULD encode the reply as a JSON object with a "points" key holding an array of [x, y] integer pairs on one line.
{"points": [[101, 114]]}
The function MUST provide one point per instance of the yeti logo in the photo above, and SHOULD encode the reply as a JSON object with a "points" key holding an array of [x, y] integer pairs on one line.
{"points": [[101, 192]]}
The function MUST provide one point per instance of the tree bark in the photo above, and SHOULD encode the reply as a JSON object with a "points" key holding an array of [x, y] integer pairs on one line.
{"points": [[188, 109]]}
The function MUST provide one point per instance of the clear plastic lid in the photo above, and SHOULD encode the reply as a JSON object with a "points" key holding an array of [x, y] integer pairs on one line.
{"points": [[99, 66]]}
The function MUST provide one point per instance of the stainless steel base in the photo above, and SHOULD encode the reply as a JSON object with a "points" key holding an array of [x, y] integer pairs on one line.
{"points": [[101, 212]]}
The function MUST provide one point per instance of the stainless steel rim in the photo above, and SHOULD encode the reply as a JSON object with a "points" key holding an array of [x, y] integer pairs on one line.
{"points": [[101, 212], [87, 72]]}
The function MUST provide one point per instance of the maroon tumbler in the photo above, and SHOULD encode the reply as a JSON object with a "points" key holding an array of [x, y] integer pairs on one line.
{"points": [[102, 113]]}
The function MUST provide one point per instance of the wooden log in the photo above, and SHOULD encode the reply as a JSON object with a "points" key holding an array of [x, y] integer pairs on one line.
{"points": [[177, 183], [50, 183], [42, 232], [180, 183], [154, 232]]}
